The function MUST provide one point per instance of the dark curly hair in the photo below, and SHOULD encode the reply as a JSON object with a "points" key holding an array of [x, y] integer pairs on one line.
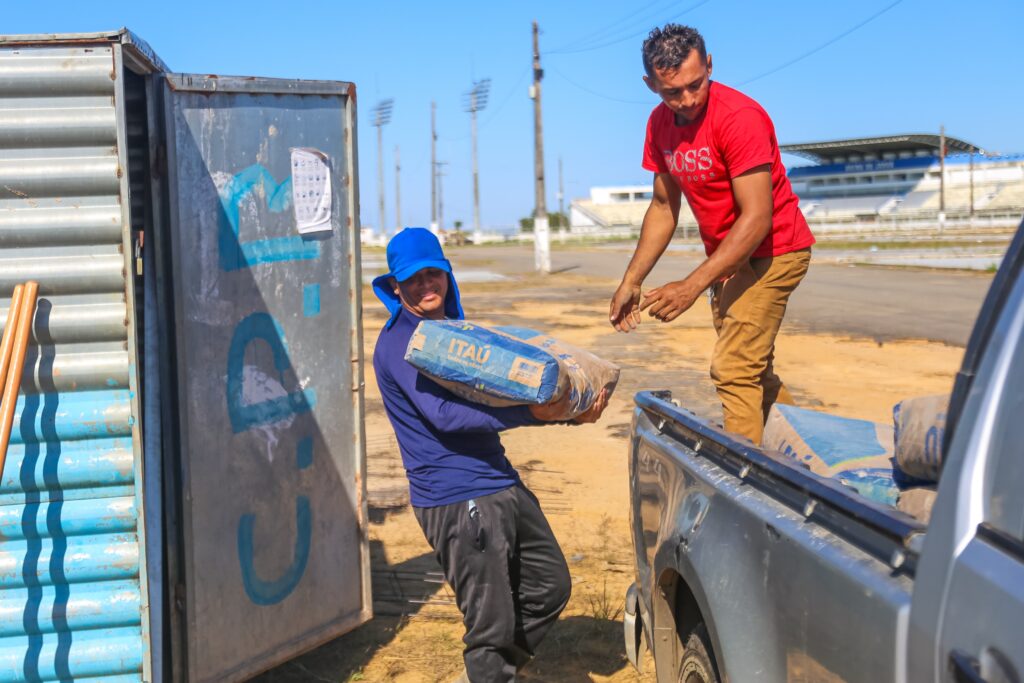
{"points": [[669, 46]]}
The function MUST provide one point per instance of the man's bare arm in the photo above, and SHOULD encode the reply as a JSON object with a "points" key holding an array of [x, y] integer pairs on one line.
{"points": [[655, 234], [753, 193], [658, 227]]}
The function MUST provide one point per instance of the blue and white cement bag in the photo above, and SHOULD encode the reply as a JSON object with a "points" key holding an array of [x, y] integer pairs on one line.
{"points": [[857, 453], [505, 366], [920, 424]]}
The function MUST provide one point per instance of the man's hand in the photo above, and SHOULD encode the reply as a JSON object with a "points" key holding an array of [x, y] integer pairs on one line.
{"points": [[593, 414], [552, 411], [668, 302], [624, 311]]}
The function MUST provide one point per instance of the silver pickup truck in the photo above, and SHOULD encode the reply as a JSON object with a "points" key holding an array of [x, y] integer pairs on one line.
{"points": [[751, 568]]}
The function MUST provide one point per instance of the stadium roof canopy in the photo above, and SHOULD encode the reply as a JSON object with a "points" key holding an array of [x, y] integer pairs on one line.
{"points": [[826, 151]]}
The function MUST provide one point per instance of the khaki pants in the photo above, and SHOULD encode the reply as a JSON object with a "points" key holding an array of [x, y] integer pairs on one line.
{"points": [[747, 310]]}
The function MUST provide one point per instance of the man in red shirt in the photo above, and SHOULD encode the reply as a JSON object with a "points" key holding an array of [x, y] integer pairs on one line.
{"points": [[717, 147]]}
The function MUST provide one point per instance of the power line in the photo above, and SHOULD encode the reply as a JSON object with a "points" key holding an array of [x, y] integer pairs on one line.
{"points": [[613, 28], [631, 35], [822, 46], [596, 93], [494, 112]]}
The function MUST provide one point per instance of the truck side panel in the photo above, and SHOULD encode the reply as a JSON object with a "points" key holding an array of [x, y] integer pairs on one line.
{"points": [[785, 598]]}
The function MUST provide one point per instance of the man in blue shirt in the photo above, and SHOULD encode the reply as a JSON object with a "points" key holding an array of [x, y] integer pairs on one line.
{"points": [[486, 528]]}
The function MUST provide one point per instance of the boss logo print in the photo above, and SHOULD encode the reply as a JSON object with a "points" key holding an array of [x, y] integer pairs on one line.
{"points": [[694, 164]]}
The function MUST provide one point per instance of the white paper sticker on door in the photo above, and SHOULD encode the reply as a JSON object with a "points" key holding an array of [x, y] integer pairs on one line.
{"points": [[311, 189]]}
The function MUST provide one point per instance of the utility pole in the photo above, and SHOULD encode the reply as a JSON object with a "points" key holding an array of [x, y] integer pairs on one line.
{"points": [[971, 174], [381, 117], [476, 100], [440, 194], [541, 236], [561, 191], [398, 192], [433, 167], [942, 175]]}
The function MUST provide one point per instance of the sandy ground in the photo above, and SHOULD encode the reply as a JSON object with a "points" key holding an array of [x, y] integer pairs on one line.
{"points": [[580, 476]]}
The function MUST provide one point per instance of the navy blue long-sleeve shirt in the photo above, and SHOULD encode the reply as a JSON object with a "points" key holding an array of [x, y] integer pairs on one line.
{"points": [[450, 446]]}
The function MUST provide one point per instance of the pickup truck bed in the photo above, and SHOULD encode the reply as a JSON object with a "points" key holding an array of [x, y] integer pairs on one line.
{"points": [[751, 568], [698, 489]]}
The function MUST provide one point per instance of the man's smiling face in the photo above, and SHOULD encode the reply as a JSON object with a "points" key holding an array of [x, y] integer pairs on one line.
{"points": [[424, 293]]}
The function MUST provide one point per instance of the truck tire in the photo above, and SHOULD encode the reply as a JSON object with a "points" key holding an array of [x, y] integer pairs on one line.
{"points": [[697, 666]]}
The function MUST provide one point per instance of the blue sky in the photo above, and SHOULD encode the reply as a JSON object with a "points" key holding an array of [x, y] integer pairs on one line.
{"points": [[919, 64]]}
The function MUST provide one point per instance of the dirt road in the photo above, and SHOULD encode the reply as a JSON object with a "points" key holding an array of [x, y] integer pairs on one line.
{"points": [[579, 473], [871, 301]]}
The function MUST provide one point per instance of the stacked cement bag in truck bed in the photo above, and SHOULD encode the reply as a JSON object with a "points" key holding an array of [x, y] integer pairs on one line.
{"points": [[894, 464], [857, 453], [504, 366], [919, 425]]}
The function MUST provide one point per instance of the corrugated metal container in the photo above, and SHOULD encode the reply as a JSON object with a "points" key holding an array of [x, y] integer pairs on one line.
{"points": [[183, 496], [73, 591]]}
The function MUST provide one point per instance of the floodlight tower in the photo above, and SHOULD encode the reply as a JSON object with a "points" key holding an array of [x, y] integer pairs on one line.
{"points": [[476, 100], [381, 117]]}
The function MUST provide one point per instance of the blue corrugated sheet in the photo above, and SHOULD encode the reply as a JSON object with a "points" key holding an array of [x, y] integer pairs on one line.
{"points": [[71, 602]]}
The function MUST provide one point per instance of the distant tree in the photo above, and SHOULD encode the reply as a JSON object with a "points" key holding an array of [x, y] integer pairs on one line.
{"points": [[558, 220], [458, 225], [555, 220]]}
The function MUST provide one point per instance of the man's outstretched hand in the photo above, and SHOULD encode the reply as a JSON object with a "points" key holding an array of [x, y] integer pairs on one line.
{"points": [[624, 311], [668, 302]]}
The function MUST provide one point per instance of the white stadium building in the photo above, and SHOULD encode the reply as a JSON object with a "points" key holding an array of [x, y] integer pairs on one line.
{"points": [[898, 181]]}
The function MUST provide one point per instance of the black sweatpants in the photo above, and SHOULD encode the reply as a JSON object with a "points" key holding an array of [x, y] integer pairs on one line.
{"points": [[509, 576]]}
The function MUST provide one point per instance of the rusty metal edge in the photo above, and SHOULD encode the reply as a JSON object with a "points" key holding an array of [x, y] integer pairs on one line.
{"points": [[356, 303], [141, 54], [211, 83]]}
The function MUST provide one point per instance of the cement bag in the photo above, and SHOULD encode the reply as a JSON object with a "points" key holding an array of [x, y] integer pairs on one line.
{"points": [[857, 453], [504, 366], [920, 423], [917, 502]]}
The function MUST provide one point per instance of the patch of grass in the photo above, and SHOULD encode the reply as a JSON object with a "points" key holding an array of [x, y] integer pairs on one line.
{"points": [[394, 668], [604, 606], [443, 641]]}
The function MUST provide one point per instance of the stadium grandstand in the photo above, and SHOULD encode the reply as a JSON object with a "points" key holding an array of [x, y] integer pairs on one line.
{"points": [[863, 183]]}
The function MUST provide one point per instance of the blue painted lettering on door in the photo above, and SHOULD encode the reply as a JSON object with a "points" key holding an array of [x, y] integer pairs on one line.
{"points": [[243, 415], [273, 591], [235, 253]]}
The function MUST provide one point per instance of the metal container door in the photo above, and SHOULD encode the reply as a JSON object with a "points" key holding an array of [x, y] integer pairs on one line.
{"points": [[273, 556]]}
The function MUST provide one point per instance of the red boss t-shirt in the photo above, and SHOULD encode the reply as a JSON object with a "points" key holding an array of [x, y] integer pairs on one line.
{"points": [[732, 136]]}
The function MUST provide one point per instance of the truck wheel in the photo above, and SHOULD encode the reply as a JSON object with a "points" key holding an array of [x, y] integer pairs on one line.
{"points": [[696, 666]]}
